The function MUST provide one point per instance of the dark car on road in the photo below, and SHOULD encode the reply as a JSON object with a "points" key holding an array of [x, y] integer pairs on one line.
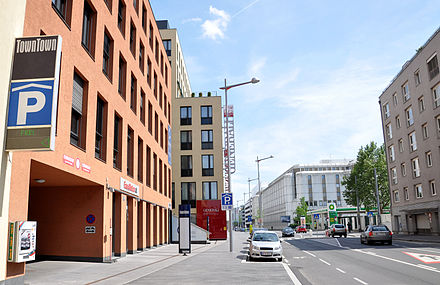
{"points": [[379, 233], [287, 232]]}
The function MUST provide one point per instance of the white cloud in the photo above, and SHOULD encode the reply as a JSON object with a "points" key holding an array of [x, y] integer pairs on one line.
{"points": [[191, 20], [216, 28]]}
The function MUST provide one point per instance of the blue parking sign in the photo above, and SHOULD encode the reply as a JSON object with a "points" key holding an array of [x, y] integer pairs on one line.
{"points": [[227, 201]]}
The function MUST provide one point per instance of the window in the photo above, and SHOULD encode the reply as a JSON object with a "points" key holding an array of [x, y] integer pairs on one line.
{"points": [[428, 157], [155, 85], [141, 56], [133, 39], [167, 45], [432, 187], [425, 130], [437, 120], [188, 195], [419, 190], [63, 9], [394, 175], [88, 30], [403, 169], [405, 92], [154, 171], [160, 96], [107, 55], [133, 93], [206, 115], [210, 190], [142, 107], [417, 77], [208, 165], [144, 18], [122, 76], [389, 131], [130, 152], [185, 116], [150, 38], [415, 167], [149, 71], [432, 66], [186, 165], [396, 195], [161, 63], [161, 134], [412, 141], [386, 110], [79, 112], [398, 122], [150, 117], [101, 129], [436, 96], [140, 156], [166, 75], [148, 166], [391, 153], [186, 140], [117, 142], [160, 177], [421, 104], [409, 117], [395, 101], [156, 52], [136, 6], [156, 127], [207, 139], [401, 149], [121, 17], [406, 193]]}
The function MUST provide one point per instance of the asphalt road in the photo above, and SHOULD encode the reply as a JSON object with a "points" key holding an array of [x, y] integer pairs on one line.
{"points": [[325, 260]]}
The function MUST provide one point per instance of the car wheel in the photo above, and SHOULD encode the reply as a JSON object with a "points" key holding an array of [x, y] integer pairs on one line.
{"points": [[369, 242], [345, 235], [333, 236], [362, 241], [390, 242], [280, 259], [250, 258]]}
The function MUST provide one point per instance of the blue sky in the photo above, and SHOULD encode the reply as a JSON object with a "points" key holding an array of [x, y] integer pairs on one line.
{"points": [[322, 66]]}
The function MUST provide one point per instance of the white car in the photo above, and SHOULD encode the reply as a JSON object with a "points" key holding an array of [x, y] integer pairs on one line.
{"points": [[265, 244]]}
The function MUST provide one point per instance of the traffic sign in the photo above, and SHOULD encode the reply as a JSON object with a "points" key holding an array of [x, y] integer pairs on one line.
{"points": [[426, 258], [315, 216], [227, 201], [369, 214]]}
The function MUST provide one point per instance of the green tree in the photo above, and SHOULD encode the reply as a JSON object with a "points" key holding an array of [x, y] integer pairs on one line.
{"points": [[301, 210], [362, 177]]}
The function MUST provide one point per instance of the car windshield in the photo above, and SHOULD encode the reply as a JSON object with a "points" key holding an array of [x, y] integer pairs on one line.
{"points": [[339, 226], [380, 229], [265, 237], [288, 229]]}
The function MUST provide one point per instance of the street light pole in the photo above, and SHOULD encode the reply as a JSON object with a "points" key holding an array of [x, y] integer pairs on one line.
{"points": [[260, 199], [379, 218], [228, 167]]}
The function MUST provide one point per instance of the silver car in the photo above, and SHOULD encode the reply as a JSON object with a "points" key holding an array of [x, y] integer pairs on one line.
{"points": [[265, 244], [379, 233]]}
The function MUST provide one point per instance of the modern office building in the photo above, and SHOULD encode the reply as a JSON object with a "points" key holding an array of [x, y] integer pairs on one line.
{"points": [[411, 126], [320, 184], [105, 189]]}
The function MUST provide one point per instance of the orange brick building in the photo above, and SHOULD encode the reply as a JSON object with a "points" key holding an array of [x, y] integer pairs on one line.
{"points": [[111, 158]]}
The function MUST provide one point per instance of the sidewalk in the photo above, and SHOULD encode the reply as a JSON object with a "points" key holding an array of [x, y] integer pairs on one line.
{"points": [[207, 264], [418, 238]]}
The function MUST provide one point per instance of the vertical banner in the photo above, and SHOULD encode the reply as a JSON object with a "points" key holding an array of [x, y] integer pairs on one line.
{"points": [[184, 228], [33, 94], [332, 214]]}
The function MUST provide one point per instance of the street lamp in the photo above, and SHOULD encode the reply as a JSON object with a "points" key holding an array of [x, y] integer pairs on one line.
{"points": [[260, 199], [228, 167], [249, 184]]}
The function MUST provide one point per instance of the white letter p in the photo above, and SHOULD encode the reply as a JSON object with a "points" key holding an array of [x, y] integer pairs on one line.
{"points": [[24, 108]]}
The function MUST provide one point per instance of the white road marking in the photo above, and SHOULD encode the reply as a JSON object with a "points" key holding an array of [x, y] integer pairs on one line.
{"points": [[340, 270], [338, 243], [323, 261], [286, 260], [426, 266], [360, 281], [291, 275], [309, 253]]}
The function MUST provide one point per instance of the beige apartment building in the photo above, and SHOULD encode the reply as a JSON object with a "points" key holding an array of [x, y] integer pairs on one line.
{"points": [[410, 108]]}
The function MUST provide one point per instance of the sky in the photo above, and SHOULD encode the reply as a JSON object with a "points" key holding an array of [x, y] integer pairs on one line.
{"points": [[322, 66]]}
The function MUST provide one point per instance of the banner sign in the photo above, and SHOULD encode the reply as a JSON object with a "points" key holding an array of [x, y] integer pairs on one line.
{"points": [[129, 187], [33, 94]]}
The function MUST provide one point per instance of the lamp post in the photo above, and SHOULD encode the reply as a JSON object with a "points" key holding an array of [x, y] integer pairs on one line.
{"points": [[228, 167], [260, 199], [249, 185]]}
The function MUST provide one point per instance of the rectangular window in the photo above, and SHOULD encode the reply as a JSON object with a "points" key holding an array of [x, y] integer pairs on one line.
{"points": [[395, 101], [156, 127], [391, 153], [409, 117], [437, 123], [389, 131], [210, 190], [160, 177], [149, 71], [161, 134], [101, 129], [396, 196], [386, 110], [436, 96], [432, 187], [188, 193], [417, 77], [144, 18], [425, 131], [166, 139], [121, 17], [141, 56], [412, 141], [132, 39], [117, 142], [150, 118], [405, 92], [63, 9], [186, 140], [428, 157], [122, 76], [167, 46], [89, 28], [148, 166], [419, 191], [406, 193], [140, 156], [155, 85], [185, 116], [166, 75], [150, 38], [206, 115], [79, 112], [107, 55], [432, 67], [401, 149], [208, 165], [161, 63], [130, 152], [154, 171], [186, 166], [394, 175], [156, 52], [415, 167], [133, 93], [421, 104], [142, 107], [398, 122], [207, 139], [403, 169], [173, 195], [160, 96]]}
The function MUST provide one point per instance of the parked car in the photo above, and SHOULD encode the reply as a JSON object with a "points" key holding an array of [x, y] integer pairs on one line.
{"points": [[287, 232], [265, 244], [336, 229], [379, 233], [301, 229]]}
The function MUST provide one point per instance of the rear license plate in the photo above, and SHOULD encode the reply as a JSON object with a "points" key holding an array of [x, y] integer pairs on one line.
{"points": [[266, 253]]}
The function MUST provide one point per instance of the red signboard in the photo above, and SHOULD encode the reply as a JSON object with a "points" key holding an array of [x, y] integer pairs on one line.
{"points": [[217, 218]]}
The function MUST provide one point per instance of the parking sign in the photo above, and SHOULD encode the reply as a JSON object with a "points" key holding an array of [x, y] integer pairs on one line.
{"points": [[227, 201]]}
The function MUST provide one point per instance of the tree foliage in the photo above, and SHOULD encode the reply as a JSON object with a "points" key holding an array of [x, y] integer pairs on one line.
{"points": [[362, 177], [301, 211]]}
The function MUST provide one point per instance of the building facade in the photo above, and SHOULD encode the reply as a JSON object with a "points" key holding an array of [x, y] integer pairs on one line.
{"points": [[110, 170], [411, 127]]}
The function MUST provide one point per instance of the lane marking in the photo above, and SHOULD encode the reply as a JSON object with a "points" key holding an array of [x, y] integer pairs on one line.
{"points": [[426, 266], [360, 281], [309, 253], [291, 275], [337, 240], [323, 261], [340, 270]]}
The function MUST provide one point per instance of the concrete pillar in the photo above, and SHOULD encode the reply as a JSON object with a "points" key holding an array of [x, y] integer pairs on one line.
{"points": [[119, 232], [155, 226], [132, 225], [142, 225], [150, 228]]}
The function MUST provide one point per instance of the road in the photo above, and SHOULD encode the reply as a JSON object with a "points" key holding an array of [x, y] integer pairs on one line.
{"points": [[322, 260]]}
